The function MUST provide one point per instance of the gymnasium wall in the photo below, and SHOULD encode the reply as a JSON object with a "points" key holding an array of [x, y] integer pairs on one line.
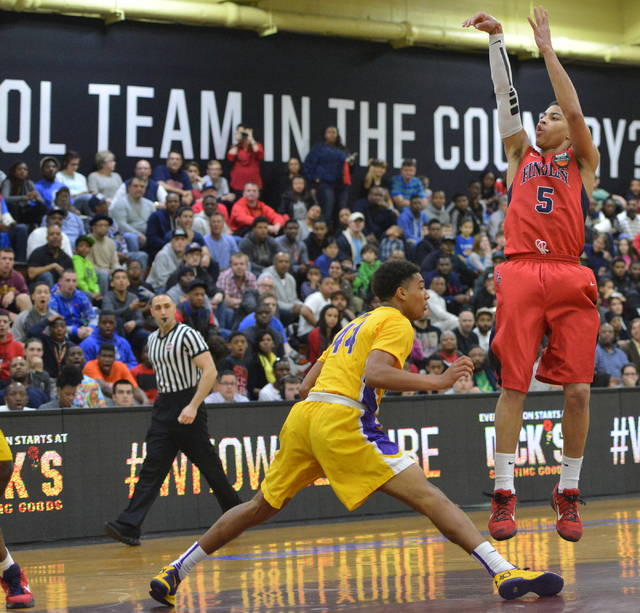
{"points": [[139, 89], [75, 469]]}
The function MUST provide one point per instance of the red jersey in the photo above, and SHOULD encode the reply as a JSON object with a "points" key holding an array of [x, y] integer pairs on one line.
{"points": [[548, 205]]}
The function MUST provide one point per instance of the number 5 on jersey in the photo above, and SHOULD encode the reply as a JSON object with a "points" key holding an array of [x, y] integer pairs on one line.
{"points": [[545, 202]]}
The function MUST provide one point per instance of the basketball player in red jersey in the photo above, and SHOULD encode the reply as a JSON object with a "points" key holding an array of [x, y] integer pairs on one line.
{"points": [[542, 289]]}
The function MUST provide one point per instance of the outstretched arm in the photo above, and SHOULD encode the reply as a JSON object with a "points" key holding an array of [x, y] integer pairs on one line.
{"points": [[566, 95], [381, 373], [513, 135]]}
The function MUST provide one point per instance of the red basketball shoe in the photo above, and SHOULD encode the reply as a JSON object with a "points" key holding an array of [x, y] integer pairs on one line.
{"points": [[16, 587], [568, 524], [502, 523]]}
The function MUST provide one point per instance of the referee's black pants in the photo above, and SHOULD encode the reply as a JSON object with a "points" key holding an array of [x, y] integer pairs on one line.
{"points": [[164, 439]]}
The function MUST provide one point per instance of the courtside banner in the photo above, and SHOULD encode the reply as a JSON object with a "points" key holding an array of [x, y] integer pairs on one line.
{"points": [[74, 470]]}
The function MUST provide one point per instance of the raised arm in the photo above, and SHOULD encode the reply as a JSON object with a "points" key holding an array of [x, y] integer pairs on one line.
{"points": [[513, 135], [581, 141]]}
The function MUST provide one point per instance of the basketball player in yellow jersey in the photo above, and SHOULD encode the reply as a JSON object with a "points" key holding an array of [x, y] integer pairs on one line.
{"points": [[334, 432]]}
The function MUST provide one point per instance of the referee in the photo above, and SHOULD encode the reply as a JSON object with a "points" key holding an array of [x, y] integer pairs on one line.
{"points": [[186, 373]]}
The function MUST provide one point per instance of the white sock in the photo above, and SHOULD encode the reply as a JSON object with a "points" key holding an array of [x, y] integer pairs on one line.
{"points": [[6, 563], [570, 474], [189, 559], [505, 465], [486, 555]]}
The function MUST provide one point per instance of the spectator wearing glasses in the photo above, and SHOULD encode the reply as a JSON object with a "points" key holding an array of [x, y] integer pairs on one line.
{"points": [[629, 376], [227, 389]]}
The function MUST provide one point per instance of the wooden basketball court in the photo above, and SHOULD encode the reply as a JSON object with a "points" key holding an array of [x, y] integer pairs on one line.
{"points": [[399, 565]]}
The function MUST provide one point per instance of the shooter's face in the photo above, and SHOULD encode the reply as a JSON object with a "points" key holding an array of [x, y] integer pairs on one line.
{"points": [[552, 129]]}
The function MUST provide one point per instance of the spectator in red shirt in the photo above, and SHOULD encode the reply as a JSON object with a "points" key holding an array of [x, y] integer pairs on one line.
{"points": [[249, 207], [9, 348], [144, 374], [246, 156], [13, 289]]}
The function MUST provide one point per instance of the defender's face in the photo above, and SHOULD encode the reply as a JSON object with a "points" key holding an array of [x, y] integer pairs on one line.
{"points": [[552, 129]]}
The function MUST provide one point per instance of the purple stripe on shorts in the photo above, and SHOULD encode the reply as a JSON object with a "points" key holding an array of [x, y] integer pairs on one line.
{"points": [[369, 399], [374, 434]]}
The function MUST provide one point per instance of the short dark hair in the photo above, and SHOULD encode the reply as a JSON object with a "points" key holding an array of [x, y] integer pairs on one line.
{"points": [[259, 219], [390, 276], [69, 375], [106, 347], [7, 250], [435, 357], [237, 333], [106, 313], [291, 221], [121, 382], [37, 284], [226, 372], [433, 221], [117, 270], [369, 247], [68, 271]]}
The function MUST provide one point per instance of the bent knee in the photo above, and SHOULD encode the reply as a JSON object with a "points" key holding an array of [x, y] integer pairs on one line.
{"points": [[577, 396]]}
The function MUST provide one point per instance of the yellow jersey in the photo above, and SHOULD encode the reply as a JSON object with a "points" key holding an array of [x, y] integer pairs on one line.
{"points": [[345, 360]]}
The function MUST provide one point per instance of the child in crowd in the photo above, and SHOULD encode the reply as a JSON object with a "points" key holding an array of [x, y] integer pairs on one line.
{"points": [[370, 263], [234, 361], [393, 240], [144, 374], [464, 240], [87, 278], [329, 254], [446, 229], [311, 284], [434, 366]]}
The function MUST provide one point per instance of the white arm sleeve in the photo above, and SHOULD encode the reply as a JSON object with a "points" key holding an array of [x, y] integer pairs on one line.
{"points": [[509, 122]]}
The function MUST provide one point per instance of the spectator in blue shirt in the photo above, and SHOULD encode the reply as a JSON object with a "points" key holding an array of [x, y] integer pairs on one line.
{"points": [[324, 169], [412, 219], [406, 184], [609, 358], [174, 179], [221, 246], [49, 185], [161, 222], [106, 333], [74, 306]]}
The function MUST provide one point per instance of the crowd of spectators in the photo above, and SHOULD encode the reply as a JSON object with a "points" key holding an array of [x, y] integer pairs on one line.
{"points": [[269, 285]]}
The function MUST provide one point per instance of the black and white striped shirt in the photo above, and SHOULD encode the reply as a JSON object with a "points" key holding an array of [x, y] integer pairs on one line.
{"points": [[172, 358]]}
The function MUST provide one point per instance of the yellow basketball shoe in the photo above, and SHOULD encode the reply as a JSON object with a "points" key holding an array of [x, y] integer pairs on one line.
{"points": [[516, 583], [165, 585]]}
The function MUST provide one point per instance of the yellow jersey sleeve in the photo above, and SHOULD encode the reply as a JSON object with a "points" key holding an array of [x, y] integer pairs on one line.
{"points": [[395, 336]]}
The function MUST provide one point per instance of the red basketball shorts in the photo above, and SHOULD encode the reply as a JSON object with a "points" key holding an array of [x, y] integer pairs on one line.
{"points": [[536, 298]]}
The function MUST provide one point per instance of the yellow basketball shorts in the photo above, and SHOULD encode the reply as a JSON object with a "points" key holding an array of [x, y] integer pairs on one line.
{"points": [[344, 443], [5, 452]]}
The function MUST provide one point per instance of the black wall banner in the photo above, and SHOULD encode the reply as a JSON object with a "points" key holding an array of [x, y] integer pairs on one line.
{"points": [[141, 89], [74, 470]]}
